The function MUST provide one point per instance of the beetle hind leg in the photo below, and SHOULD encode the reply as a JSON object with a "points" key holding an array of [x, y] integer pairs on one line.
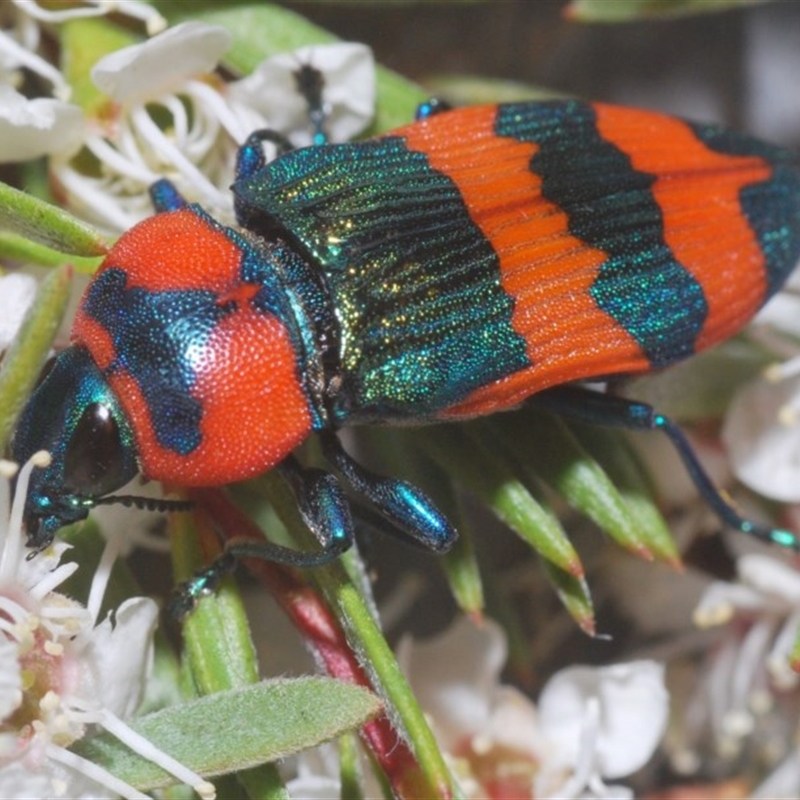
{"points": [[618, 412]]}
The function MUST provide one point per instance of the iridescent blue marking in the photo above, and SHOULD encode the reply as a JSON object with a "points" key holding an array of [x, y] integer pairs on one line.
{"points": [[772, 207], [48, 422], [611, 207], [157, 338]]}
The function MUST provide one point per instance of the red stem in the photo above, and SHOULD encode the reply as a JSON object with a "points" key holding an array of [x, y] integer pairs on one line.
{"points": [[313, 618]]}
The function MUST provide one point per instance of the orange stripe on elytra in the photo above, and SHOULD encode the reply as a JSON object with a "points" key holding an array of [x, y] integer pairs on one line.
{"points": [[547, 271], [698, 192]]}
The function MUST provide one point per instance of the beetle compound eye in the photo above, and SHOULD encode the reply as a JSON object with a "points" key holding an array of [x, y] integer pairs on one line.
{"points": [[94, 462]]}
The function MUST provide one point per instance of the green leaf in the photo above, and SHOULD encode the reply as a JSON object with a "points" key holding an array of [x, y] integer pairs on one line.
{"points": [[26, 355], [467, 90], [469, 456], [47, 224], [629, 476], [238, 729], [574, 594], [14, 247], [631, 10], [261, 30], [545, 448]]}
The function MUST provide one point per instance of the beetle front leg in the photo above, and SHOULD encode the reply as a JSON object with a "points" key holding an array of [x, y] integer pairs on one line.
{"points": [[619, 412], [324, 509], [166, 197]]}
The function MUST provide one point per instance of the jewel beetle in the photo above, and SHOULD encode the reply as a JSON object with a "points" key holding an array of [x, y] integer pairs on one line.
{"points": [[448, 269]]}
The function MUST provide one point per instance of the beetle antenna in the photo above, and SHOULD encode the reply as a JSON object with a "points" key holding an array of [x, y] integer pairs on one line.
{"points": [[144, 503]]}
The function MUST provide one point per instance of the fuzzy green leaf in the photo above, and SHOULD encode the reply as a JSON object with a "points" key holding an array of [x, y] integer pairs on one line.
{"points": [[47, 224], [238, 729]]}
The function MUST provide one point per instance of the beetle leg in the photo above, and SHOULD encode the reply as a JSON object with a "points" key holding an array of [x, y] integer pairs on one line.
{"points": [[324, 509], [435, 105], [401, 503], [618, 412], [310, 83], [165, 197], [250, 157]]}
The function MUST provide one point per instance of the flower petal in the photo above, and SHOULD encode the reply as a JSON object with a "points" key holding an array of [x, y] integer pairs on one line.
{"points": [[454, 675], [348, 92], [765, 453], [17, 291], [633, 713], [161, 64], [33, 128], [122, 653], [771, 577]]}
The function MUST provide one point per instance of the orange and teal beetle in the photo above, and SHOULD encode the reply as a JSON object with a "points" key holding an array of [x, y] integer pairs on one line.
{"points": [[448, 269]]}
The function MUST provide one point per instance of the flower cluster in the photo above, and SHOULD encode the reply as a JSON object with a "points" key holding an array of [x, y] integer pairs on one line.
{"points": [[63, 672], [162, 107], [166, 114]]}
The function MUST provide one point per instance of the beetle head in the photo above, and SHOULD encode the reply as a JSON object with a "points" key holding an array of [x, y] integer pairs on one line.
{"points": [[74, 415]]}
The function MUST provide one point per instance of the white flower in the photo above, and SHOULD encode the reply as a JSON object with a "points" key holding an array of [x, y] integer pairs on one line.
{"points": [[271, 91], [19, 42], [747, 694], [600, 722], [133, 151], [62, 672], [17, 291], [766, 598], [762, 426], [591, 724], [170, 77], [33, 128]]}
